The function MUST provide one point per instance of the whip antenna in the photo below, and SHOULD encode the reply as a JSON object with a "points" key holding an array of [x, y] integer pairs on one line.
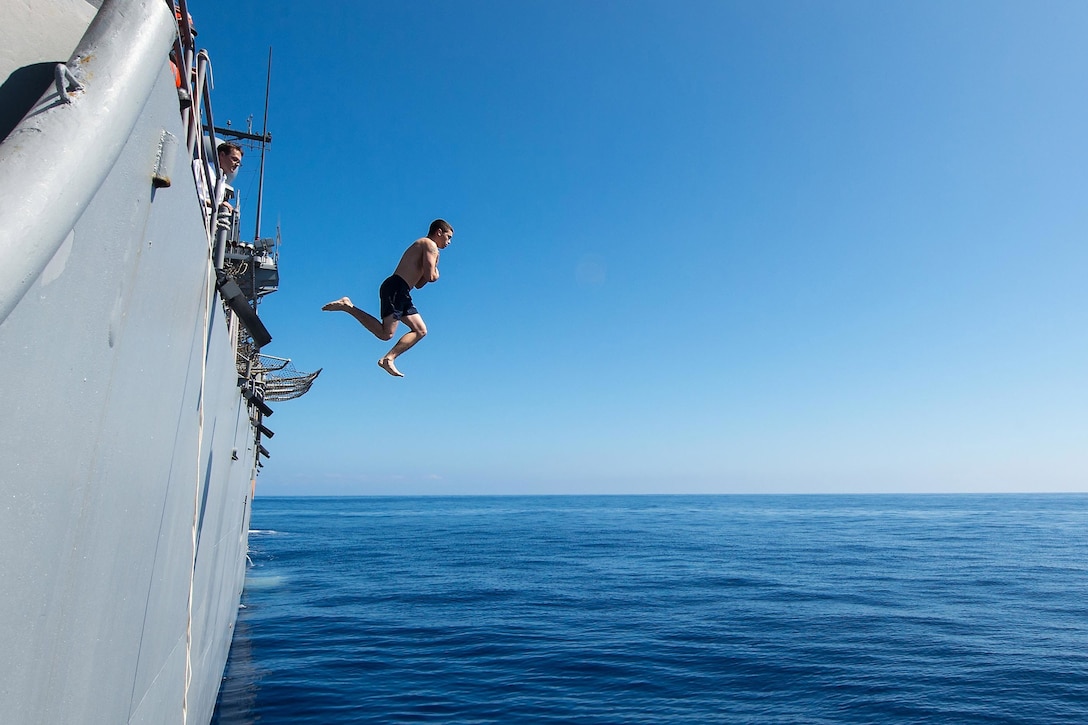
{"points": [[264, 145]]}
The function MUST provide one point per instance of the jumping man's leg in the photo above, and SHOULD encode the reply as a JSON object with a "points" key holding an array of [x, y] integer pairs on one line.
{"points": [[381, 329], [417, 330]]}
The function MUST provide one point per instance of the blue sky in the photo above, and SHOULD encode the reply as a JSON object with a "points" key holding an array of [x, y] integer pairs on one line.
{"points": [[700, 246]]}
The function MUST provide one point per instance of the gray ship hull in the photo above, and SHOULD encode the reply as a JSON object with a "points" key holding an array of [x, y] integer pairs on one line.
{"points": [[127, 452]]}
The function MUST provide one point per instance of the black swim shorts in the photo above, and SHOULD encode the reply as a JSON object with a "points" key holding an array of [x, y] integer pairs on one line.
{"points": [[396, 298]]}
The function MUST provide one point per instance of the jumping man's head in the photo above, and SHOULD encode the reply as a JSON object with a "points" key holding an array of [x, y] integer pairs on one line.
{"points": [[441, 233]]}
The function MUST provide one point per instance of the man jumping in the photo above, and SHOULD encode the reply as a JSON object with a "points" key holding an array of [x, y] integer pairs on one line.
{"points": [[418, 266]]}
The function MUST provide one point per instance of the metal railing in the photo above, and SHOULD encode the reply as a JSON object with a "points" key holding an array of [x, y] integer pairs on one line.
{"points": [[196, 79]]}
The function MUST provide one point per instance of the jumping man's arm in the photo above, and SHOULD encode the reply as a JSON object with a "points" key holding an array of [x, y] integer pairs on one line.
{"points": [[428, 264]]}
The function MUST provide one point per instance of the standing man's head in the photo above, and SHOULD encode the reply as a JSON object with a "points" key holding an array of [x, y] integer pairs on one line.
{"points": [[441, 233], [230, 157]]}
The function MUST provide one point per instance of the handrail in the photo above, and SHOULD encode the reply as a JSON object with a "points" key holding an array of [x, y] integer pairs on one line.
{"points": [[58, 156], [209, 162], [219, 193], [197, 79]]}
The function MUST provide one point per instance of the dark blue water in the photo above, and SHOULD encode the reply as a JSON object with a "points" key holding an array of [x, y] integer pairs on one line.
{"points": [[663, 609]]}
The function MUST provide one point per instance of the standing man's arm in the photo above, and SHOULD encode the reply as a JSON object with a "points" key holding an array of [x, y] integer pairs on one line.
{"points": [[428, 264]]}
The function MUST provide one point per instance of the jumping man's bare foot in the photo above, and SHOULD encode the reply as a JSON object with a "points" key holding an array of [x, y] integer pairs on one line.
{"points": [[341, 305], [386, 364]]}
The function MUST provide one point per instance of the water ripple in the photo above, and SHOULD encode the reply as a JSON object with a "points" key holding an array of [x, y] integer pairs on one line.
{"points": [[847, 609]]}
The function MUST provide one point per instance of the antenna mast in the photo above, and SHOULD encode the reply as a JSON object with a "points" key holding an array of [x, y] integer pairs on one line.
{"points": [[264, 145]]}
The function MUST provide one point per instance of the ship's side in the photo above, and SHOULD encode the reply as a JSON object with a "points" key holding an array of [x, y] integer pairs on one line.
{"points": [[128, 449]]}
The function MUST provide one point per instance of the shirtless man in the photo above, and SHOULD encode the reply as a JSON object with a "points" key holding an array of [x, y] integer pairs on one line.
{"points": [[417, 267]]}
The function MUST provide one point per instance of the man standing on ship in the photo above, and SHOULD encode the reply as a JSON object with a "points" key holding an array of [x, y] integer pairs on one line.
{"points": [[418, 266]]}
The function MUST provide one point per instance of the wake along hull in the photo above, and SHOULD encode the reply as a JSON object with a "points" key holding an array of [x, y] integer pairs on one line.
{"points": [[127, 453]]}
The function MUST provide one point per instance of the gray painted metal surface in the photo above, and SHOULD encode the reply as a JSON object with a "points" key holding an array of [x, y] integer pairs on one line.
{"points": [[127, 455], [118, 60], [34, 31]]}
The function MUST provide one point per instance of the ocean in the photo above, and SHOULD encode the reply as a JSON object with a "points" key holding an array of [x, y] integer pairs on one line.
{"points": [[663, 609]]}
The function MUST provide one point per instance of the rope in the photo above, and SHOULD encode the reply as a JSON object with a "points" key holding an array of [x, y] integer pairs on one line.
{"points": [[209, 288], [192, 118]]}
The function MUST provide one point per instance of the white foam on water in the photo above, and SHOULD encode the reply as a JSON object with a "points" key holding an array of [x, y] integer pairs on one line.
{"points": [[265, 581]]}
